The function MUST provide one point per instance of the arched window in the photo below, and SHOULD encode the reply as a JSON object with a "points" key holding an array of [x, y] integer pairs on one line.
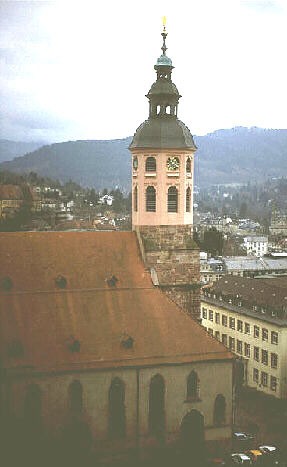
{"points": [[157, 406], [33, 406], [172, 199], [188, 199], [135, 198], [188, 165], [75, 394], [219, 410], [117, 416], [150, 199], [192, 387], [150, 164]]}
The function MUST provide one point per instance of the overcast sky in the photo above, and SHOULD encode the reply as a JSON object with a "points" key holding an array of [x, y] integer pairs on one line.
{"points": [[80, 69]]}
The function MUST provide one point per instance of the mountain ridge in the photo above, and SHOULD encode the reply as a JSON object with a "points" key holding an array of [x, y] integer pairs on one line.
{"points": [[234, 155]]}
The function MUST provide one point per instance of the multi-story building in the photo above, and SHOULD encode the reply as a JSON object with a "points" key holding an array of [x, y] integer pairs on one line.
{"points": [[249, 316], [255, 245]]}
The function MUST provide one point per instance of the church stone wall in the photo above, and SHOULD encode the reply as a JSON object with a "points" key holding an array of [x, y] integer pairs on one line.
{"points": [[95, 412]]}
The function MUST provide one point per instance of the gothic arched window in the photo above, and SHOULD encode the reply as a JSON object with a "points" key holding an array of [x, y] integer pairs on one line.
{"points": [[135, 198], [75, 394], [188, 199], [172, 199], [192, 387], [150, 199], [188, 165], [117, 416], [157, 406], [219, 410], [150, 164]]}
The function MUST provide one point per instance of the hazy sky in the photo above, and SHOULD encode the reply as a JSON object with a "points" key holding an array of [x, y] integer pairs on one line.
{"points": [[80, 69]]}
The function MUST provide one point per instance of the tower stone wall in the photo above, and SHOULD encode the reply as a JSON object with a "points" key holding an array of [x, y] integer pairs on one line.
{"points": [[173, 256]]}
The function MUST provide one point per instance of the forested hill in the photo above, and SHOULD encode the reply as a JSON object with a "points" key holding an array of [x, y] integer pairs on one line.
{"points": [[224, 156], [11, 149]]}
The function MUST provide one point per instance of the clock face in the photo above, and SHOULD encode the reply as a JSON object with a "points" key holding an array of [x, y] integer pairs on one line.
{"points": [[172, 163], [135, 163]]}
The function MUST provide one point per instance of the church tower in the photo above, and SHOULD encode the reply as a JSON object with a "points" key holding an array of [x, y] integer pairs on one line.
{"points": [[162, 191]]}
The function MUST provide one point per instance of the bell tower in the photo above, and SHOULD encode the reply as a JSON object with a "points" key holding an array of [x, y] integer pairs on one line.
{"points": [[162, 151]]}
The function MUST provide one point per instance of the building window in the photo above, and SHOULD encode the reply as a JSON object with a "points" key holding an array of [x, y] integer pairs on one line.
{"points": [[224, 320], [256, 354], [256, 331], [274, 337], [150, 199], [210, 331], [264, 357], [172, 199], [150, 164], [192, 386], [224, 339], [117, 416], [247, 328], [232, 343], [157, 406], [75, 394], [210, 315], [247, 350], [219, 411], [188, 165], [232, 323], [239, 346], [273, 383], [274, 360], [217, 335], [255, 375], [239, 325], [204, 313], [264, 378], [217, 318], [264, 334], [135, 198]]}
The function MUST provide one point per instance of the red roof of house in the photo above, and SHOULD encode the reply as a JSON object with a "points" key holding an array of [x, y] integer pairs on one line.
{"points": [[11, 192], [108, 297]]}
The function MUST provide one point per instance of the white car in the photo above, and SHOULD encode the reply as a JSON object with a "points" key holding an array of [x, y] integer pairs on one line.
{"points": [[240, 459]]}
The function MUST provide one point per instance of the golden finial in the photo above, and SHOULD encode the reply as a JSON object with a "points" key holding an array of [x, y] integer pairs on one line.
{"points": [[164, 23]]}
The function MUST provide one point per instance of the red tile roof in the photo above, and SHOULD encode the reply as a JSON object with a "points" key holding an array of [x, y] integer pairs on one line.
{"points": [[45, 318], [11, 192]]}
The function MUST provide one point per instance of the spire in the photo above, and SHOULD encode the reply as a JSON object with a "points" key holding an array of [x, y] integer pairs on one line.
{"points": [[164, 34], [164, 63]]}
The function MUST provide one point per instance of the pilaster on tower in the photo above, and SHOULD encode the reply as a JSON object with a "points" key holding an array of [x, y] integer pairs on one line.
{"points": [[162, 190]]}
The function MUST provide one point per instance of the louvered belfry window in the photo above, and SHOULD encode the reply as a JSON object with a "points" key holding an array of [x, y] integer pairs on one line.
{"points": [[150, 199], [172, 199], [150, 164]]}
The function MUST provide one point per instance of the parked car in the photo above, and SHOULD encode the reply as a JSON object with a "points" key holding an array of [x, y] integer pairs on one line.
{"points": [[242, 441], [256, 456], [240, 459]]}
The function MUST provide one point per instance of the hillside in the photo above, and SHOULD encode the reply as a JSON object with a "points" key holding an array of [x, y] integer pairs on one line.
{"points": [[11, 149], [224, 156]]}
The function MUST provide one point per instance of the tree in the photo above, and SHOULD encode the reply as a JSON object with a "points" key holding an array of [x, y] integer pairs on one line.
{"points": [[213, 242]]}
